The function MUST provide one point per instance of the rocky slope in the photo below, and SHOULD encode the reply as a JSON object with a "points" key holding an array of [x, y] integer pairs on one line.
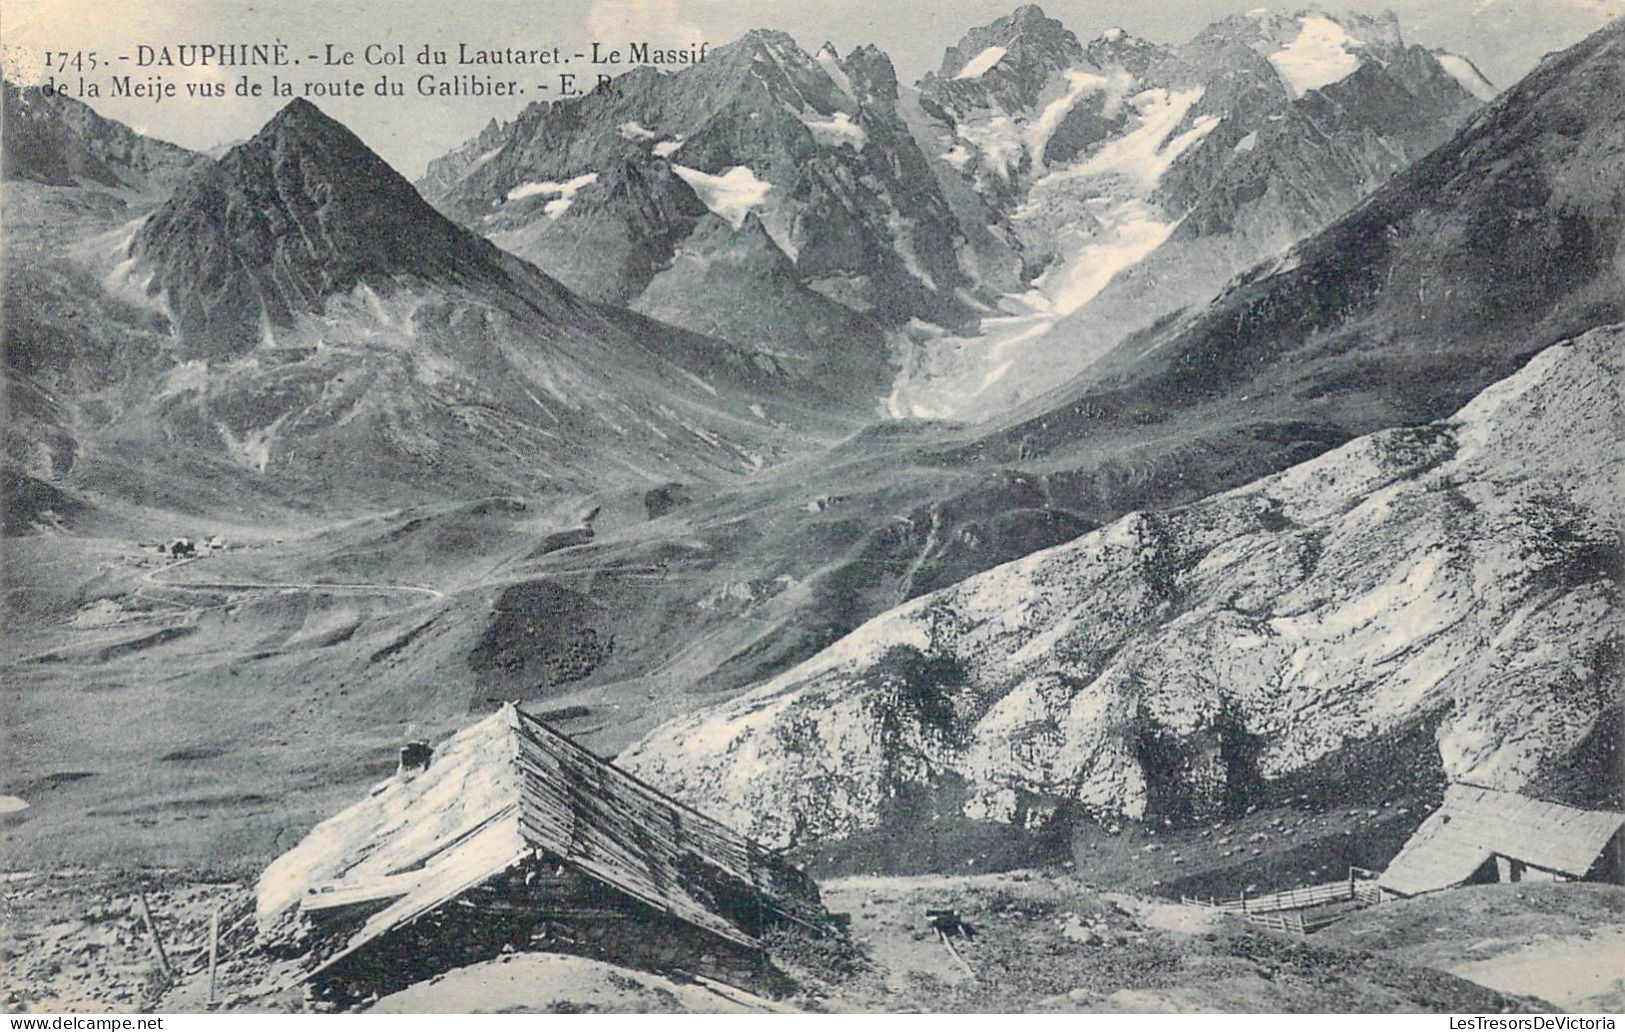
{"points": [[59, 141], [792, 169], [1134, 179], [1464, 571]]}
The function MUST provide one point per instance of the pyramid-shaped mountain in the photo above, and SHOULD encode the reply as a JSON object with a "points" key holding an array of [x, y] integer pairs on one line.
{"points": [[301, 211]]}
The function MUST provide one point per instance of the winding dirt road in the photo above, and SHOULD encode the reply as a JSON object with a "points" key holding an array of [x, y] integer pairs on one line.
{"points": [[152, 577]]}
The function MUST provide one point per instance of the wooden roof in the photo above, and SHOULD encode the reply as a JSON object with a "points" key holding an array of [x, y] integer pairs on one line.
{"points": [[628, 834], [1474, 824], [510, 787]]}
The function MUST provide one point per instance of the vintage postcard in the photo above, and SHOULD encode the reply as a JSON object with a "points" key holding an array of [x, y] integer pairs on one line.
{"points": [[699, 506]]}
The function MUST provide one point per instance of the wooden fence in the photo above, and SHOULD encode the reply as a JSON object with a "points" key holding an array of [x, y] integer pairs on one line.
{"points": [[1283, 911], [1291, 899]]}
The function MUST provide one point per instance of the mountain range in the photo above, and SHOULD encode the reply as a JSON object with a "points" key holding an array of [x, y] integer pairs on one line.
{"points": [[973, 237], [308, 319], [1137, 178], [1170, 662], [1096, 429]]}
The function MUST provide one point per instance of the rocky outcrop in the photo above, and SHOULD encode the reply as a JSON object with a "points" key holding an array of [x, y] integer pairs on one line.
{"points": [[1465, 571]]}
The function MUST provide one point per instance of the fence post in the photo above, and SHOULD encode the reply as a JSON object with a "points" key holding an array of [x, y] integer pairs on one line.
{"points": [[152, 930], [214, 948]]}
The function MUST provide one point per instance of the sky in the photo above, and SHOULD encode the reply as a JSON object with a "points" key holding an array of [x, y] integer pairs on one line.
{"points": [[1504, 37]]}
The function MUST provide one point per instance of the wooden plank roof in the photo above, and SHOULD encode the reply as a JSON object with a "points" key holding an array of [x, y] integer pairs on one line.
{"points": [[1475, 823], [510, 787], [629, 835]]}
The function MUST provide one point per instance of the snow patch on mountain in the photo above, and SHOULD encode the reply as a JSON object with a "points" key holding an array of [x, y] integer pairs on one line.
{"points": [[635, 131], [1467, 74], [122, 280], [1121, 228], [830, 63], [1104, 221], [1000, 140], [1123, 233], [902, 231], [731, 195], [563, 194], [1079, 84], [835, 131], [1144, 155], [982, 63], [1129, 231], [1319, 56]]}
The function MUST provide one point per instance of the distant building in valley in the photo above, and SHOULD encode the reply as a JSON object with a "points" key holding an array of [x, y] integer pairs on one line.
{"points": [[1483, 835]]}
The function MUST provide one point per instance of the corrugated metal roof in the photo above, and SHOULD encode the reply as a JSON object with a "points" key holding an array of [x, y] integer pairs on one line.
{"points": [[505, 788], [1476, 823]]}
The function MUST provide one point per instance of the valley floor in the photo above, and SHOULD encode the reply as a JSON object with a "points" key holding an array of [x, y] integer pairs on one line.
{"points": [[1039, 940]]}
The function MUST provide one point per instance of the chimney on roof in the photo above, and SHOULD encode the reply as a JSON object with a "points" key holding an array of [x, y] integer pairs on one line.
{"points": [[415, 756]]}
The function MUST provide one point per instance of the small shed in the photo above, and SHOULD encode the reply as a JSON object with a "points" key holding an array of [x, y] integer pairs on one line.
{"points": [[509, 836], [1486, 835]]}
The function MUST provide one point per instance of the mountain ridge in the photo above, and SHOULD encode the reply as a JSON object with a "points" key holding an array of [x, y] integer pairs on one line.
{"points": [[1136, 178], [56, 140]]}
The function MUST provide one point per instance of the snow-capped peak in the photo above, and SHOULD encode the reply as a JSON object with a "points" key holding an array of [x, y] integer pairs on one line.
{"points": [[1321, 54]]}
